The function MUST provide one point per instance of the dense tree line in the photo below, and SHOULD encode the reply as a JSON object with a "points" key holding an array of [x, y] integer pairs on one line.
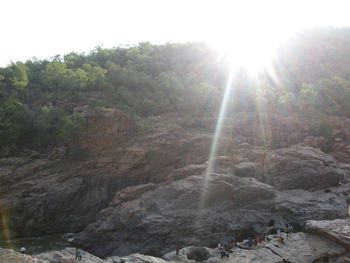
{"points": [[37, 96]]}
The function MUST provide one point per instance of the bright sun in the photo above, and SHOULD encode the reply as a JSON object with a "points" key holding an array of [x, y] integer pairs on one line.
{"points": [[252, 48], [250, 38]]}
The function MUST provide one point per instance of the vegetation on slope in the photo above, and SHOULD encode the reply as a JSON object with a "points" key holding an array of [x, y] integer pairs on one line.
{"points": [[37, 98]]}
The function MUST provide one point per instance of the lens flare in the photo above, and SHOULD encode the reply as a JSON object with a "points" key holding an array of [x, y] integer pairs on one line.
{"points": [[4, 224], [217, 134]]}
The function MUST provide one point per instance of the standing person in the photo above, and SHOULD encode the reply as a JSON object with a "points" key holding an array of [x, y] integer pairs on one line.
{"points": [[290, 228], [287, 229], [278, 232], [177, 248], [222, 251], [250, 242], [77, 254]]}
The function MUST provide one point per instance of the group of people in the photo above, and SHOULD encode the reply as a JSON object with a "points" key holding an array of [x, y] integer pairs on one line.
{"points": [[255, 241]]}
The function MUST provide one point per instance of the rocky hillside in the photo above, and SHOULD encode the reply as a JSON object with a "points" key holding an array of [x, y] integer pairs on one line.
{"points": [[145, 190], [117, 146]]}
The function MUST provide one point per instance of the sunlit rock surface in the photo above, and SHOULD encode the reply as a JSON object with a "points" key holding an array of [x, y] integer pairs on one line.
{"points": [[68, 255], [10, 256]]}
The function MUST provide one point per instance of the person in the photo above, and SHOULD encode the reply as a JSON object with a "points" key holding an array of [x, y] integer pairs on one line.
{"points": [[287, 229], [222, 251], [255, 241], [177, 248], [278, 232], [250, 242], [78, 255], [268, 238], [290, 228], [226, 246]]}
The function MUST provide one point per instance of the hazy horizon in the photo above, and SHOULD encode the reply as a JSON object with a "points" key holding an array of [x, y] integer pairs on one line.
{"points": [[42, 29]]}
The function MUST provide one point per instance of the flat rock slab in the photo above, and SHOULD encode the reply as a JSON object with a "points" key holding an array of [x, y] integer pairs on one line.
{"points": [[246, 256], [305, 247], [135, 258], [337, 230], [10, 256], [68, 255]]}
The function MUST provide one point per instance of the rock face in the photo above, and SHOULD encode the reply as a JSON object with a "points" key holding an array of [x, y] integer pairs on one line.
{"points": [[41, 196], [142, 191], [200, 210], [105, 128]]}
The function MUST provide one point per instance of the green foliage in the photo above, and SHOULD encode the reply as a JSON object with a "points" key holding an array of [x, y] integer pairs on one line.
{"points": [[35, 128], [37, 97], [60, 78], [19, 78]]}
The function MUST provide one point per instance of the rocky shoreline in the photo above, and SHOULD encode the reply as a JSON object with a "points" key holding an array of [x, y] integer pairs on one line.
{"points": [[323, 241]]}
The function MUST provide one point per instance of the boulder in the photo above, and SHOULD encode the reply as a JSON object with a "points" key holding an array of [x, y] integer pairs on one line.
{"points": [[246, 169], [301, 167], [191, 254], [337, 230]]}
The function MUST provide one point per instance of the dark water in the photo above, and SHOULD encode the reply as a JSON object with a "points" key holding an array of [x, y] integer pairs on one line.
{"points": [[35, 245]]}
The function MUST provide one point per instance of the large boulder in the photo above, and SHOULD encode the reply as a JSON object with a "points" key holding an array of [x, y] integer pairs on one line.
{"points": [[296, 167], [191, 254], [337, 230]]}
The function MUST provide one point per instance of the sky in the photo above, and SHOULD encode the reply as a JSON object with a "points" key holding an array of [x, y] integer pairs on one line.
{"points": [[45, 28]]}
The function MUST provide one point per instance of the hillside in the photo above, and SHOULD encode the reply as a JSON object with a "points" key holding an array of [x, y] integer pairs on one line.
{"points": [[310, 82], [118, 146]]}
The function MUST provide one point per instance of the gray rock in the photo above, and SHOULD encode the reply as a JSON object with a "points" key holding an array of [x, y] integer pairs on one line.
{"points": [[135, 258], [201, 210], [10, 256], [68, 255], [336, 230], [246, 169]]}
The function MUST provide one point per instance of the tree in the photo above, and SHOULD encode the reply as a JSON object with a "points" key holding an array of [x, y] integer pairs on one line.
{"points": [[19, 78]]}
